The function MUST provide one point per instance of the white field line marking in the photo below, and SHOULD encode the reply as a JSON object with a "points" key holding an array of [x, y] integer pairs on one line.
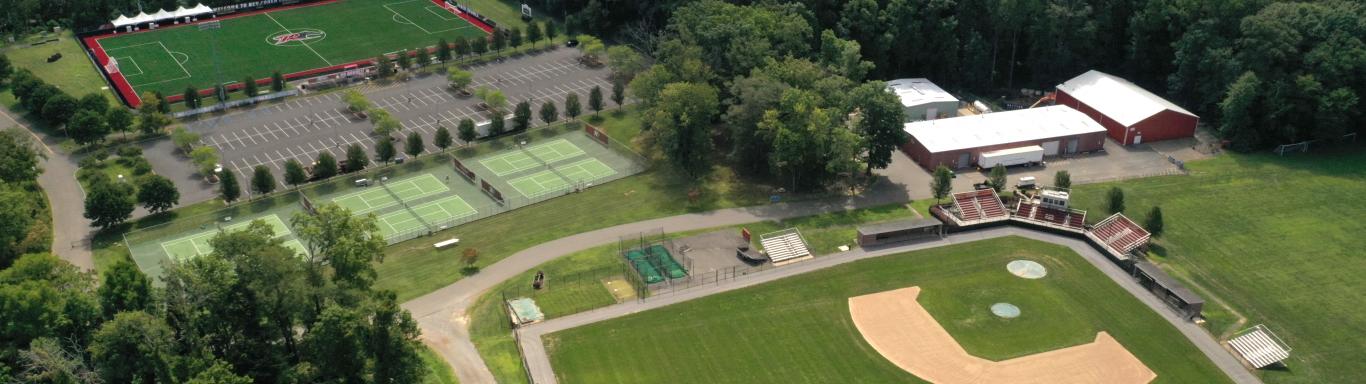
{"points": [[177, 62], [135, 65], [315, 52]]}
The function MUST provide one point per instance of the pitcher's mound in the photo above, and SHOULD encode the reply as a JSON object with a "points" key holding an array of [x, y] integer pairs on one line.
{"points": [[903, 332], [1027, 269]]}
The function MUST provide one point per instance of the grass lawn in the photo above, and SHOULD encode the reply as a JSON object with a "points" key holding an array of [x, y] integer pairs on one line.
{"points": [[1278, 239], [798, 329], [74, 73], [576, 281], [438, 372]]}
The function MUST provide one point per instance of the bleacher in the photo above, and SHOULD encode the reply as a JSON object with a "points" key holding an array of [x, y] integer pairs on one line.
{"points": [[1072, 220], [1260, 347], [1119, 233], [785, 246], [978, 207]]}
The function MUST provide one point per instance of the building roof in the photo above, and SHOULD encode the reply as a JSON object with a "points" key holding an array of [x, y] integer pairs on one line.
{"points": [[964, 132], [915, 92], [899, 225], [1116, 98], [1167, 282]]}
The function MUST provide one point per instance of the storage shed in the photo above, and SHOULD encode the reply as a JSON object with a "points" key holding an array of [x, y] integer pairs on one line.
{"points": [[1130, 114], [959, 142], [898, 231], [922, 100]]}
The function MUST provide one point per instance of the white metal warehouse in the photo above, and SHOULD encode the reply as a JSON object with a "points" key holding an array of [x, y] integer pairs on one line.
{"points": [[958, 142], [922, 100]]}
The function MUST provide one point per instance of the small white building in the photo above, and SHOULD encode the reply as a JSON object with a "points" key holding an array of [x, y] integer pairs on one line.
{"points": [[923, 100]]}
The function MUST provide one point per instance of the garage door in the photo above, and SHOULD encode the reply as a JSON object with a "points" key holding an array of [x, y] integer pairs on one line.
{"points": [[1050, 148]]}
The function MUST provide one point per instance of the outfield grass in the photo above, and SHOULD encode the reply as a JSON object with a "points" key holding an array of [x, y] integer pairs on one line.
{"points": [[798, 329], [74, 73], [1279, 239], [576, 281], [171, 59]]}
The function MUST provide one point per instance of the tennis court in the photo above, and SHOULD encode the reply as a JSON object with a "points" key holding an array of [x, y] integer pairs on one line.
{"points": [[372, 199], [417, 218], [512, 162], [585, 170], [539, 184], [400, 221], [187, 247]]}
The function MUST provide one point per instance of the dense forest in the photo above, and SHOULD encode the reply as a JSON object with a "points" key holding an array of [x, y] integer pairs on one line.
{"points": [[1260, 72]]}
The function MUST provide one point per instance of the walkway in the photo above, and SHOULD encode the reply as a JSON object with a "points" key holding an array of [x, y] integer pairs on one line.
{"points": [[441, 314], [71, 231], [539, 363]]}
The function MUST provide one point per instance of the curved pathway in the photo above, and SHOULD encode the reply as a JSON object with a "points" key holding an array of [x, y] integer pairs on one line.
{"points": [[538, 362], [441, 314], [70, 229]]}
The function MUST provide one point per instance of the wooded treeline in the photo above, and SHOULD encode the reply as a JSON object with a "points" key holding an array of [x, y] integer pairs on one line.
{"points": [[1280, 71]]}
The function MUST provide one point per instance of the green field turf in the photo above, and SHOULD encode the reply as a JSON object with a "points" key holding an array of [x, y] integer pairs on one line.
{"points": [[400, 221], [198, 244], [798, 330], [1279, 239], [171, 59]]}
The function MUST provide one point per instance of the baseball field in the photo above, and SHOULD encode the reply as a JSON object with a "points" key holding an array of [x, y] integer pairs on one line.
{"points": [[800, 329]]}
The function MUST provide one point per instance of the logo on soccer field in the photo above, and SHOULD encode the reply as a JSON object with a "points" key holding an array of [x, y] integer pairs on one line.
{"points": [[300, 36]]}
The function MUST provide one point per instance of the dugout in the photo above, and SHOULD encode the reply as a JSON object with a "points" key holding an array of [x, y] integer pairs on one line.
{"points": [[1175, 294], [899, 231]]}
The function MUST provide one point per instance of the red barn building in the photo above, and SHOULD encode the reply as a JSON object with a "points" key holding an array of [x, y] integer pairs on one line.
{"points": [[1130, 114], [959, 142]]}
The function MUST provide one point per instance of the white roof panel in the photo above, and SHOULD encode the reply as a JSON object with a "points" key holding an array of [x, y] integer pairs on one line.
{"points": [[963, 132], [915, 92], [1117, 98]]}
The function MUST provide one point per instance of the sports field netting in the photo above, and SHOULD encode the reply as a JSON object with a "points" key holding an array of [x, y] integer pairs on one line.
{"points": [[655, 264], [287, 40]]}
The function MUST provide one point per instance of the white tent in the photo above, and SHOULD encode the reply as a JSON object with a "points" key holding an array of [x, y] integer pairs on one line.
{"points": [[122, 21], [198, 10], [162, 14]]}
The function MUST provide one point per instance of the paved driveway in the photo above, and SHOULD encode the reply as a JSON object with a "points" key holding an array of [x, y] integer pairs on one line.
{"points": [[301, 128]]}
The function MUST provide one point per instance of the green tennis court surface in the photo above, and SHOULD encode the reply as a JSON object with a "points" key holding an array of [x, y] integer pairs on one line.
{"points": [[549, 152], [198, 244], [539, 184], [585, 170], [287, 40], [400, 221], [375, 197], [444, 210]]}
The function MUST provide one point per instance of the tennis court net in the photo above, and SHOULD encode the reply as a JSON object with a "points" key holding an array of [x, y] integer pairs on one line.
{"points": [[547, 165], [384, 184]]}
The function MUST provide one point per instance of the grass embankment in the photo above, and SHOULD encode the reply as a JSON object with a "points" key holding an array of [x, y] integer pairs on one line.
{"points": [[1276, 238], [74, 73], [576, 281], [798, 329]]}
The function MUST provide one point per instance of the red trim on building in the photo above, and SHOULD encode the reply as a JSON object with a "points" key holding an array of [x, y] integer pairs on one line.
{"points": [[1164, 125]]}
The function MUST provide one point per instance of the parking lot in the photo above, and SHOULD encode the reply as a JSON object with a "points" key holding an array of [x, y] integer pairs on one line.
{"points": [[301, 128]]}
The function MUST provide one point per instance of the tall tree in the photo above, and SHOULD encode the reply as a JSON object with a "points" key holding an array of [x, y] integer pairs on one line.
{"points": [[58, 108], [1062, 179], [249, 87], [533, 34], [941, 183], [228, 188], [157, 193], [549, 114], [326, 166], [384, 149], [277, 82], [497, 125], [466, 131], [16, 215], [294, 173], [1154, 221], [443, 50], [18, 157], [997, 177], [618, 92], [1115, 200], [108, 204], [880, 123], [94, 102], [124, 288], [134, 347], [682, 119], [405, 61], [119, 119], [356, 158], [595, 99], [262, 181], [413, 146], [572, 108], [87, 127], [424, 57], [521, 116], [442, 138], [347, 244], [810, 143], [842, 57]]}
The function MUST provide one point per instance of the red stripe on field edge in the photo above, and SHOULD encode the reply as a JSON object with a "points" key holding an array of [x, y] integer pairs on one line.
{"points": [[120, 83]]}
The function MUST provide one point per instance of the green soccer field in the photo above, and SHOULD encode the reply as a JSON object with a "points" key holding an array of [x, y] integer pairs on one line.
{"points": [[171, 59], [1278, 239], [798, 329]]}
